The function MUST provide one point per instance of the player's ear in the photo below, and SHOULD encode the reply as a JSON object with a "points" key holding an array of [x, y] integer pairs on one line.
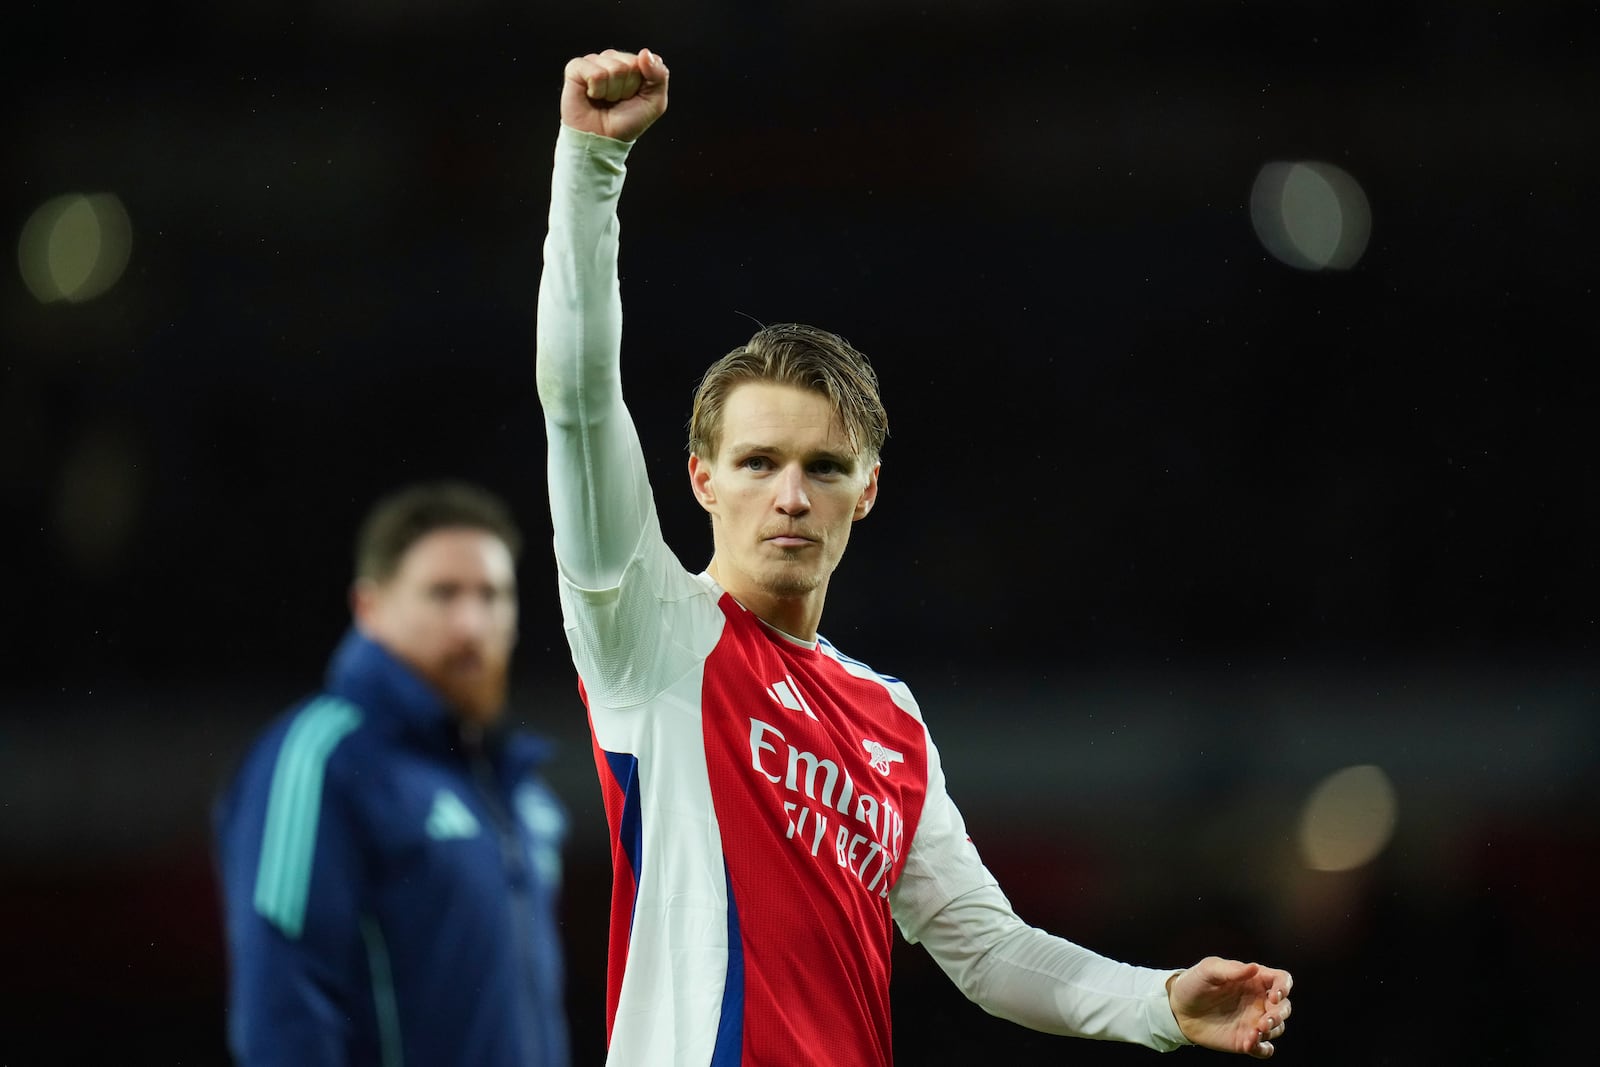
{"points": [[700, 482], [869, 493]]}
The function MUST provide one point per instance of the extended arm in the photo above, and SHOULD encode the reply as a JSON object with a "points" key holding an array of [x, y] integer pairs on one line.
{"points": [[1047, 983], [599, 495], [949, 902]]}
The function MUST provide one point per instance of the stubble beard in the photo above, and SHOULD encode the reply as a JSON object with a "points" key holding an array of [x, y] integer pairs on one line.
{"points": [[792, 577]]}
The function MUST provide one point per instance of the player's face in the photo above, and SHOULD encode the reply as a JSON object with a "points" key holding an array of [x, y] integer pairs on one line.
{"points": [[783, 491], [450, 613]]}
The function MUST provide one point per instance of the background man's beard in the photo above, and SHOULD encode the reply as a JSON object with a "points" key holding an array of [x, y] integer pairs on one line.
{"points": [[479, 699]]}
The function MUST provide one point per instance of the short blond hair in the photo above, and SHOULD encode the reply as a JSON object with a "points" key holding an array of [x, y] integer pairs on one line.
{"points": [[790, 353]]}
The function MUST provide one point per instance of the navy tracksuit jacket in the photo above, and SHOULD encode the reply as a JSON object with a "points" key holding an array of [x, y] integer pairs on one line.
{"points": [[390, 891]]}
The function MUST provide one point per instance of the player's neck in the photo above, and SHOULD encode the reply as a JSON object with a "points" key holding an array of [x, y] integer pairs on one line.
{"points": [[797, 615]]}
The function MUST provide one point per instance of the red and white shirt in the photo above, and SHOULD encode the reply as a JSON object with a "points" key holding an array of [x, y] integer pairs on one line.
{"points": [[772, 803]]}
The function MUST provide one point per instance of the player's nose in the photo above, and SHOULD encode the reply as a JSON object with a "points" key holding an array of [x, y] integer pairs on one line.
{"points": [[791, 491]]}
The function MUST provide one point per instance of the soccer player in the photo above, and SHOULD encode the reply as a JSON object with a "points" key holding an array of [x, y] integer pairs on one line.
{"points": [[389, 852], [773, 803]]}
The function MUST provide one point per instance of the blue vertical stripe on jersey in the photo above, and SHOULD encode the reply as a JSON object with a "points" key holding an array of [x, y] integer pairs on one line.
{"points": [[383, 997], [630, 832], [294, 806], [729, 1048]]}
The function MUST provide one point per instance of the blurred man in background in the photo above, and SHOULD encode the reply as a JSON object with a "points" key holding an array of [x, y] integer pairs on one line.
{"points": [[389, 855]]}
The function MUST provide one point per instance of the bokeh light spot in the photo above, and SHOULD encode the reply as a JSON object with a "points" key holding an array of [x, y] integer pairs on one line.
{"points": [[74, 247], [1348, 819], [1310, 215]]}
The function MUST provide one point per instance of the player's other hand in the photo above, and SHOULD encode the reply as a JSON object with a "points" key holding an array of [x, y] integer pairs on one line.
{"points": [[1231, 1006], [615, 94]]}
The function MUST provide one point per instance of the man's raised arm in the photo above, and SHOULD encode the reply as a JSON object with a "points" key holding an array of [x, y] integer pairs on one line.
{"points": [[599, 496]]}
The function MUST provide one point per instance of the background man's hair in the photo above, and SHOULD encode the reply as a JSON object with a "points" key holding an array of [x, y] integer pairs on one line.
{"points": [[790, 353], [405, 516]]}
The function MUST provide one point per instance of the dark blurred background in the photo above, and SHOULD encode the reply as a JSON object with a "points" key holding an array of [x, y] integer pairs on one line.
{"points": [[1238, 527]]}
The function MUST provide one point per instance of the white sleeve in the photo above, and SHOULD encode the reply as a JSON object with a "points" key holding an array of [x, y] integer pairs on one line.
{"points": [[600, 503], [947, 900]]}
